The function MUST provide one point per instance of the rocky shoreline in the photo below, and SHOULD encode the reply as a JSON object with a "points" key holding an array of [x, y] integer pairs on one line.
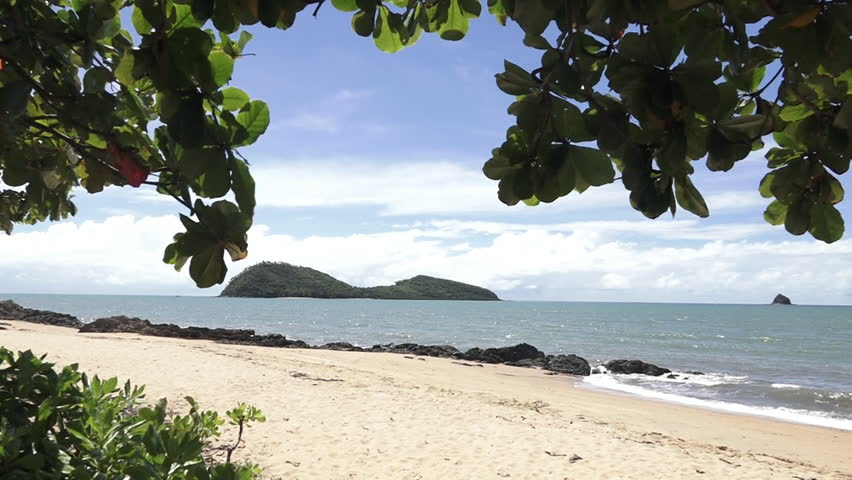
{"points": [[520, 355]]}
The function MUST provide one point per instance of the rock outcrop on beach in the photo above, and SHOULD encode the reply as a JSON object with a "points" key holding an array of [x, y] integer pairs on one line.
{"points": [[517, 353], [10, 310], [570, 364], [520, 355], [441, 351], [635, 366], [271, 279], [781, 300], [122, 324]]}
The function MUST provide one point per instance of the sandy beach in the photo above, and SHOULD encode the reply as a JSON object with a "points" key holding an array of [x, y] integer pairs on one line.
{"points": [[346, 415]]}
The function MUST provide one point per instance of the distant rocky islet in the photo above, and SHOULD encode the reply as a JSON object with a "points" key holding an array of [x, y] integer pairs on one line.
{"points": [[520, 355], [781, 300]]}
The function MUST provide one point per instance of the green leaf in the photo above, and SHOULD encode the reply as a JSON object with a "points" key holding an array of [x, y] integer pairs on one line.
{"points": [[776, 213], [345, 5], [702, 95], [826, 223], [386, 38], [531, 202], [831, 191], [533, 15], [798, 218], [208, 267], [363, 23], [537, 42], [242, 184], [496, 8], [722, 153], [222, 15], [750, 125], [684, 4], [95, 79], [547, 186], [515, 80], [140, 23], [14, 96], [593, 165], [234, 99], [471, 8], [456, 25], [193, 162], [690, 198], [672, 156], [215, 180], [222, 66], [124, 71], [568, 121], [747, 80], [793, 113], [567, 176], [498, 166], [255, 118], [187, 126]]}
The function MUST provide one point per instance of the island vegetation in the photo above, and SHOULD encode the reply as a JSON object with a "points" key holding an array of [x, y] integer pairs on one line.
{"points": [[275, 279]]}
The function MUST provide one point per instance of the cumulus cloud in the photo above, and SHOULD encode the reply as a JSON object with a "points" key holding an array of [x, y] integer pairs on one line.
{"points": [[580, 261], [429, 187]]}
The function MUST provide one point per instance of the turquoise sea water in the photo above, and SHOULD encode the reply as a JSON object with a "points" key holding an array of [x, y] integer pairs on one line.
{"points": [[793, 363]]}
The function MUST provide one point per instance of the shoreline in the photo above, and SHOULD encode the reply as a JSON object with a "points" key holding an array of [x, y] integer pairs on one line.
{"points": [[520, 355], [775, 414], [420, 411]]}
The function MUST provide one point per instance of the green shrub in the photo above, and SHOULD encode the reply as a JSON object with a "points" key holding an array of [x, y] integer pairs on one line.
{"points": [[61, 425]]}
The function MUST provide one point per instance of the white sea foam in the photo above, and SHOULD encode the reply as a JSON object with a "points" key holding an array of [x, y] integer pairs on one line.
{"points": [[707, 379], [611, 382], [786, 385]]}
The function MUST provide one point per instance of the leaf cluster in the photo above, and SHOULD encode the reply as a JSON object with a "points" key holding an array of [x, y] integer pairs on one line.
{"points": [[636, 90], [62, 424], [85, 102], [658, 86]]}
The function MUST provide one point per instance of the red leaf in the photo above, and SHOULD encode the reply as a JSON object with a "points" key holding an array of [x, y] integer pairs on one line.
{"points": [[127, 166]]}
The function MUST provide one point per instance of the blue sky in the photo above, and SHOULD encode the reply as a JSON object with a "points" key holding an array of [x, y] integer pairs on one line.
{"points": [[370, 171]]}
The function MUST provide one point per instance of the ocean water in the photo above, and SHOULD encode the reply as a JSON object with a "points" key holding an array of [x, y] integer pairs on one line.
{"points": [[792, 363]]}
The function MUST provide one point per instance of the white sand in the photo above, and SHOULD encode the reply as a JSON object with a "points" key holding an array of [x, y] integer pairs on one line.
{"points": [[341, 415]]}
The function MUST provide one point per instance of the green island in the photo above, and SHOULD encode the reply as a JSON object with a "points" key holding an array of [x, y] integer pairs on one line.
{"points": [[276, 279]]}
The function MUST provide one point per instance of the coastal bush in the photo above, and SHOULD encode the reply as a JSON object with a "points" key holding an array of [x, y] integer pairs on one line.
{"points": [[58, 424]]}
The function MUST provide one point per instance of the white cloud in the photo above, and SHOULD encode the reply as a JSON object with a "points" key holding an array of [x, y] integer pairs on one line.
{"points": [[327, 115], [432, 187], [585, 261], [614, 281], [323, 123]]}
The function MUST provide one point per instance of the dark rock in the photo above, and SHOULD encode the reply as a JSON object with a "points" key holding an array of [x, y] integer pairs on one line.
{"points": [[274, 340], [122, 324], [693, 372], [781, 300], [570, 364], [441, 351], [635, 366], [672, 376], [515, 353], [342, 346], [10, 310], [529, 363]]}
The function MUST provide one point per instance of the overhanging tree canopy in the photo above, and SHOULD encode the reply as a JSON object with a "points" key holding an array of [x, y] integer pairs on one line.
{"points": [[646, 87]]}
